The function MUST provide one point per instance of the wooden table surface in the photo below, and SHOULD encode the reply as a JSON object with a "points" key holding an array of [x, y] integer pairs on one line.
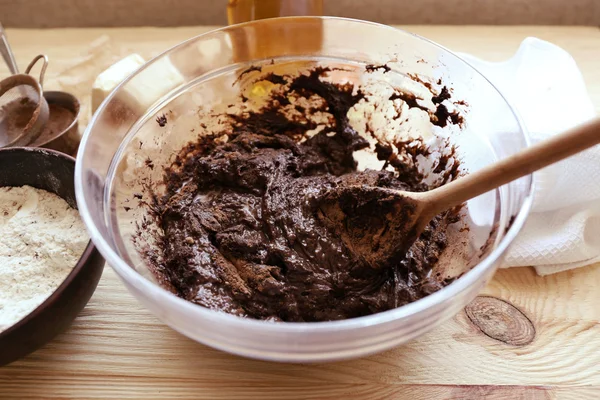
{"points": [[116, 349]]}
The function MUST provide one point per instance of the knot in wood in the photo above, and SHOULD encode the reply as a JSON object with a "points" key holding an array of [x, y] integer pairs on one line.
{"points": [[500, 320]]}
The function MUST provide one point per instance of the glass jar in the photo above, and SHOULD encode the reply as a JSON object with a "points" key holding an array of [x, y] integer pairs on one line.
{"points": [[253, 44], [249, 10]]}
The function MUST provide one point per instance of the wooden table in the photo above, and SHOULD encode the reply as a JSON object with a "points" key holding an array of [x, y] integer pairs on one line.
{"points": [[116, 349]]}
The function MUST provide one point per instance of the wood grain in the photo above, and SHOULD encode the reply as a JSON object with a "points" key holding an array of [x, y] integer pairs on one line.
{"points": [[116, 349], [500, 320]]}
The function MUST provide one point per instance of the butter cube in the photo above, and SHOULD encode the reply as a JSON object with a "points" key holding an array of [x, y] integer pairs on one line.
{"points": [[143, 90], [111, 77]]}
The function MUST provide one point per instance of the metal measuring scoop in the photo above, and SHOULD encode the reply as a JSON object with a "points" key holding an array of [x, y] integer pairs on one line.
{"points": [[7, 53], [23, 109]]}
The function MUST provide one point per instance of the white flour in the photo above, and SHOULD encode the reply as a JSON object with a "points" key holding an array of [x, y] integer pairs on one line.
{"points": [[41, 240]]}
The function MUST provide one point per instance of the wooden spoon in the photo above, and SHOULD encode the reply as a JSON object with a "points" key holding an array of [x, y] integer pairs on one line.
{"points": [[381, 224]]}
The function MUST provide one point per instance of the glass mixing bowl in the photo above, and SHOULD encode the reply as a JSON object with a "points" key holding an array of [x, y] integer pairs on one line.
{"points": [[124, 147]]}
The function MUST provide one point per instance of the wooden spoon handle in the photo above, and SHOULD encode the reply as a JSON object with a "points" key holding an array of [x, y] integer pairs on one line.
{"points": [[515, 166]]}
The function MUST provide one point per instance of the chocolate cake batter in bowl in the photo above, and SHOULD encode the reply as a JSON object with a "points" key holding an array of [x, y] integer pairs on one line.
{"points": [[204, 181]]}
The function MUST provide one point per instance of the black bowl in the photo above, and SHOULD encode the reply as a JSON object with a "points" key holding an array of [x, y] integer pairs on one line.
{"points": [[54, 172]]}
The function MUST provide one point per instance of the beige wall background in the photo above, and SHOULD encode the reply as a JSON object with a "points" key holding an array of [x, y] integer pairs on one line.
{"points": [[99, 13]]}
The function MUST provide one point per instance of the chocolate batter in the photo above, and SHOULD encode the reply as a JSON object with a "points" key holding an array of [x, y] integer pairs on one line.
{"points": [[243, 230]]}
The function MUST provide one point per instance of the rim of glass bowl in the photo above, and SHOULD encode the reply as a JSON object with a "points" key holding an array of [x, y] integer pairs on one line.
{"points": [[145, 285]]}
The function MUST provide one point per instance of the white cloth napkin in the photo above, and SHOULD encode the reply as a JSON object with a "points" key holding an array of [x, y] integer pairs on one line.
{"points": [[563, 230]]}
